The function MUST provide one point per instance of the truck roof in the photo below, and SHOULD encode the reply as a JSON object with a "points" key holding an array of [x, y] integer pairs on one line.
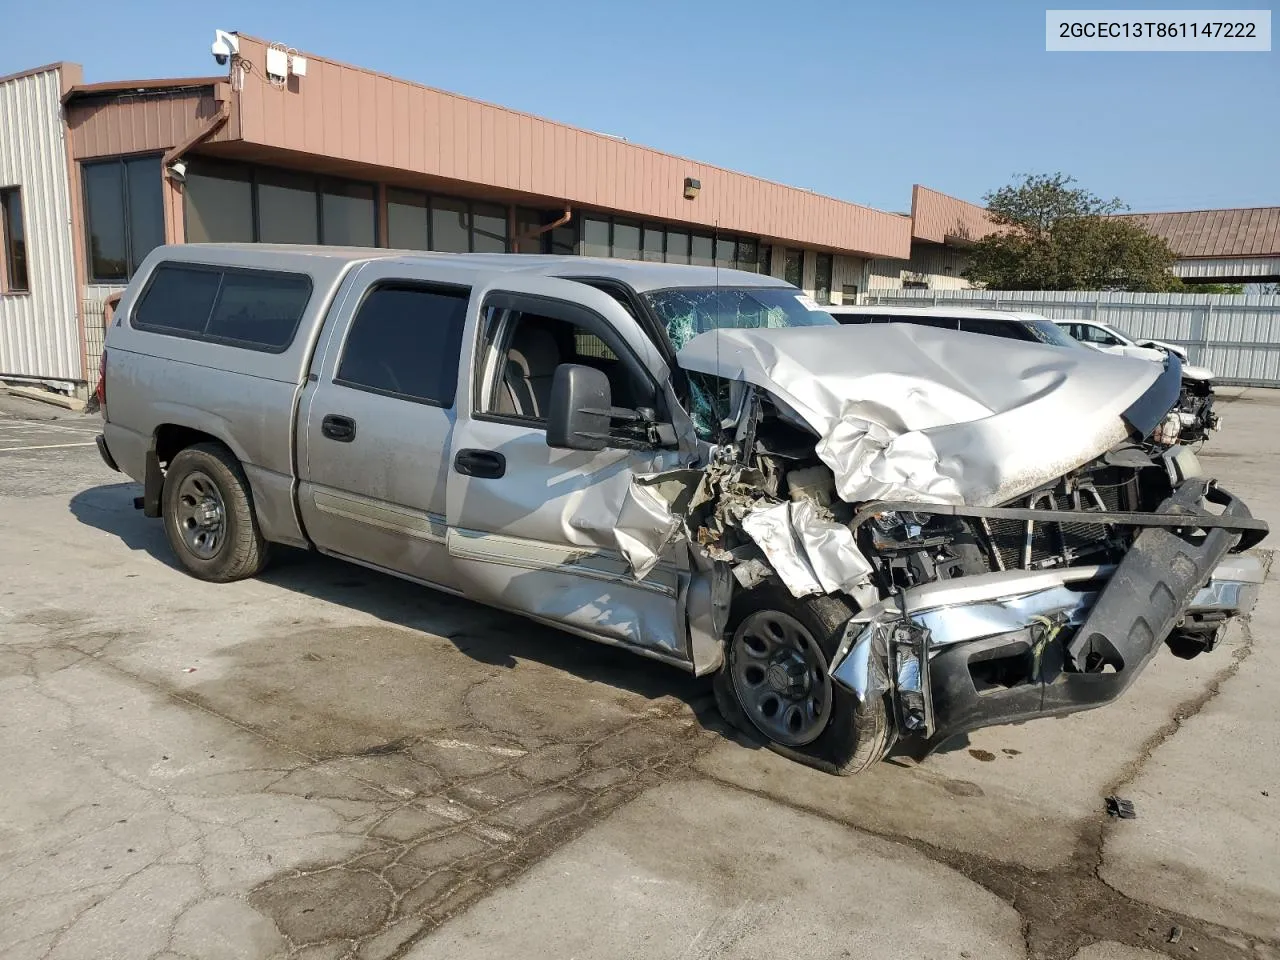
{"points": [[640, 275]]}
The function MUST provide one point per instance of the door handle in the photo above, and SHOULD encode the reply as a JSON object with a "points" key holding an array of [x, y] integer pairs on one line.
{"points": [[486, 464], [335, 427]]}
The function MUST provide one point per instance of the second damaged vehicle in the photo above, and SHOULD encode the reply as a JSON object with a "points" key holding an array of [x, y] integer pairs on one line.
{"points": [[867, 535]]}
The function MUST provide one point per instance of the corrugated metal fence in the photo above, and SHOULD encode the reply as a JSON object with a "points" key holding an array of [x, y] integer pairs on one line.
{"points": [[1237, 336]]}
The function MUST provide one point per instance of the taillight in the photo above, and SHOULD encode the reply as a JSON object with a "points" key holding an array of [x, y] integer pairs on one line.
{"points": [[101, 392]]}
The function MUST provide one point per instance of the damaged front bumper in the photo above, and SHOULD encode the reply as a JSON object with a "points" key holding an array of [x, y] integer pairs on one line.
{"points": [[956, 655]]}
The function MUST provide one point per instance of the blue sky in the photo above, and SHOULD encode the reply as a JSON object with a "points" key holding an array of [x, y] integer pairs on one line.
{"points": [[849, 99]]}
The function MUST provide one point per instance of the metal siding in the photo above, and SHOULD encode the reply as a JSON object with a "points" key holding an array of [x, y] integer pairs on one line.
{"points": [[936, 217], [39, 332], [941, 267], [1228, 268], [137, 124], [846, 272], [1238, 337], [467, 140]]}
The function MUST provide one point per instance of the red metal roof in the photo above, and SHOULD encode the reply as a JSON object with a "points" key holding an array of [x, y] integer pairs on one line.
{"points": [[1245, 232]]}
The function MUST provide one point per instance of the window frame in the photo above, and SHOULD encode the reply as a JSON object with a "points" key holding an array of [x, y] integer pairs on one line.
{"points": [[131, 264], [461, 290], [565, 311], [7, 260], [203, 337]]}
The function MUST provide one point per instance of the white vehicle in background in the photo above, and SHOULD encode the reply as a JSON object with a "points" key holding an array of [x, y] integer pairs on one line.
{"points": [[1108, 339], [1195, 406]]}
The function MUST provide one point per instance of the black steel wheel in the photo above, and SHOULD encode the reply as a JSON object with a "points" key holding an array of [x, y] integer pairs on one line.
{"points": [[208, 515], [774, 683]]}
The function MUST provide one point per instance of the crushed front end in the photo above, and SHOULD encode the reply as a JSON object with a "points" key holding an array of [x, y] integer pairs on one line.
{"points": [[1015, 546], [1050, 611]]}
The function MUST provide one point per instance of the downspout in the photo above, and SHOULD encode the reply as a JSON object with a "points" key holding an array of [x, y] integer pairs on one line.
{"points": [[535, 234]]}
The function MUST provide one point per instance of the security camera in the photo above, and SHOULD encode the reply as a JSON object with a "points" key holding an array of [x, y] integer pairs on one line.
{"points": [[225, 46]]}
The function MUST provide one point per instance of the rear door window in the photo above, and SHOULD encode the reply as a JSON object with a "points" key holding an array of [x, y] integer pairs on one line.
{"points": [[254, 309], [406, 341]]}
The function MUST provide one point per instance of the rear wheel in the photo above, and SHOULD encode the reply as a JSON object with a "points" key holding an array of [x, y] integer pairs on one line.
{"points": [[774, 683], [208, 515]]}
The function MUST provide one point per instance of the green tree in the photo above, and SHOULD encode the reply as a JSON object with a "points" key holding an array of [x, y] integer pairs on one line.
{"points": [[1186, 287], [1057, 236]]}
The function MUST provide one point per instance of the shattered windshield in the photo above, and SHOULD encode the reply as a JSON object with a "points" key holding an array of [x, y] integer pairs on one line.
{"points": [[1046, 331], [686, 312]]}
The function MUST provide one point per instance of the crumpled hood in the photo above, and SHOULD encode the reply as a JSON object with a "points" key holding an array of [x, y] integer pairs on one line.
{"points": [[906, 412]]}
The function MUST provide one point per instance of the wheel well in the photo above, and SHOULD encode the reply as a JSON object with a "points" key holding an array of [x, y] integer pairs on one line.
{"points": [[172, 438]]}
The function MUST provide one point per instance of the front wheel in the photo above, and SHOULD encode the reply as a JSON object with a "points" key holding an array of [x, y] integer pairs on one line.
{"points": [[774, 683]]}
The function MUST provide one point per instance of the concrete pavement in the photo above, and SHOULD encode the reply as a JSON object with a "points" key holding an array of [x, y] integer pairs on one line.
{"points": [[326, 763]]}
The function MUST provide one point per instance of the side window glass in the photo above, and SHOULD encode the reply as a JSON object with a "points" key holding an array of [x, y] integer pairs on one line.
{"points": [[177, 300], [259, 309], [532, 346], [254, 309], [406, 341]]}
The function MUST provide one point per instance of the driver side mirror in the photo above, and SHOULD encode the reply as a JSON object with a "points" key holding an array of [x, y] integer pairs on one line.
{"points": [[581, 402], [581, 415]]}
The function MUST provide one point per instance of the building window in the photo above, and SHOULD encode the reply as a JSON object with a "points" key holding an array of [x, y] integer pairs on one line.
{"points": [[234, 203], [793, 267], [677, 246], [915, 285], [654, 243], [417, 221], [450, 226], [488, 228], [408, 220], [347, 217], [14, 254], [703, 251], [822, 281], [287, 209], [766, 259], [595, 237], [626, 240], [124, 215], [219, 203], [623, 239], [849, 293]]}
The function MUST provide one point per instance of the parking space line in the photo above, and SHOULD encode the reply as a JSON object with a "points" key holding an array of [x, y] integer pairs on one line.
{"points": [[45, 446], [43, 425]]}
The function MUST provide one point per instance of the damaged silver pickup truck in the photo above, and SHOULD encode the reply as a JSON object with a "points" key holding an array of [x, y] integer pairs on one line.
{"points": [[869, 536]]}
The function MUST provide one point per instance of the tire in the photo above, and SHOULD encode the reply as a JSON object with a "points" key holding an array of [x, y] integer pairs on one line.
{"points": [[855, 735], [200, 478]]}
